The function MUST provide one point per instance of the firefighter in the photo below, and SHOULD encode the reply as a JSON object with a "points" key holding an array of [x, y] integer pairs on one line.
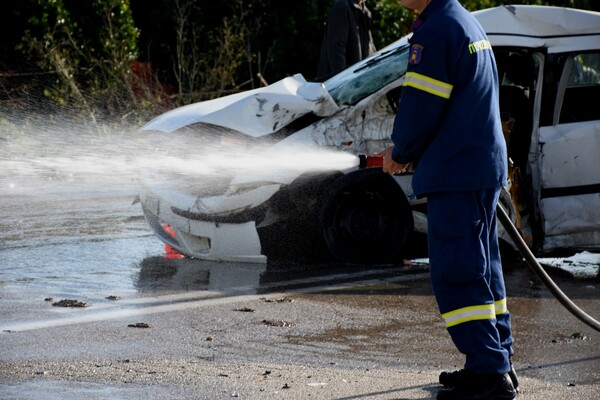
{"points": [[448, 125]]}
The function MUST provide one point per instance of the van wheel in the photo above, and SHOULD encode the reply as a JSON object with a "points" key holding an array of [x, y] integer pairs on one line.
{"points": [[365, 217]]}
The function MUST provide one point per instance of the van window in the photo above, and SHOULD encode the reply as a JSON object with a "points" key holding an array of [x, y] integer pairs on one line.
{"points": [[580, 101], [586, 70]]}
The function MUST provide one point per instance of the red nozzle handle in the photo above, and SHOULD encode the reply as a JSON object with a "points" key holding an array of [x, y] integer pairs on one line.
{"points": [[365, 161]]}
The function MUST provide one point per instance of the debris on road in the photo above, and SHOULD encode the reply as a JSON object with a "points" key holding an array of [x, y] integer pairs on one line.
{"points": [[280, 300], [578, 335], [69, 303], [139, 325], [279, 323]]}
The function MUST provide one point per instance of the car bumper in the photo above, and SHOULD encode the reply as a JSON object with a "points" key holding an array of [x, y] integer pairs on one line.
{"points": [[207, 236]]}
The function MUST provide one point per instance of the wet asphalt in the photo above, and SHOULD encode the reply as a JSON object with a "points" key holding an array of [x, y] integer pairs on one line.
{"points": [[158, 328]]}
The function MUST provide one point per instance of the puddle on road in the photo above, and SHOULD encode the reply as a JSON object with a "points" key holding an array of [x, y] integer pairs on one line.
{"points": [[161, 274], [158, 274], [166, 285]]}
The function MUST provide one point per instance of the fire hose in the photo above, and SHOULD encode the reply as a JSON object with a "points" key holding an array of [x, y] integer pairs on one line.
{"points": [[537, 269], [532, 262]]}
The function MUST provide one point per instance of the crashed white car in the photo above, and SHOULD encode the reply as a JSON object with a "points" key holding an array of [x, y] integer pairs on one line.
{"points": [[262, 195]]}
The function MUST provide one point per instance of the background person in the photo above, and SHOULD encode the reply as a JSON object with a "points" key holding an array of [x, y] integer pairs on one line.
{"points": [[347, 37]]}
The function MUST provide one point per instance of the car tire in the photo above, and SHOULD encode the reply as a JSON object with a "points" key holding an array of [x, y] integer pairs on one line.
{"points": [[365, 217]]}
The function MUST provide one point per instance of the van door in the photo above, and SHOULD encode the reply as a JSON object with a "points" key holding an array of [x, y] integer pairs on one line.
{"points": [[569, 159]]}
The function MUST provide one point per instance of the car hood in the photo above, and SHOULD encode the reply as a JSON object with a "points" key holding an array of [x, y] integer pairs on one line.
{"points": [[556, 28], [255, 112]]}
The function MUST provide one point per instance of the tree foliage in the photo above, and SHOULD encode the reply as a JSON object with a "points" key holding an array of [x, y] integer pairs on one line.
{"points": [[89, 46], [136, 57]]}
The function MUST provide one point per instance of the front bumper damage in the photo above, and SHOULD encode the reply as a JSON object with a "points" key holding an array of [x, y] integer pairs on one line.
{"points": [[227, 234]]}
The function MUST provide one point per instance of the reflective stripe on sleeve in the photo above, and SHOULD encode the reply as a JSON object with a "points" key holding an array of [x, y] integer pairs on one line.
{"points": [[466, 314], [428, 84], [500, 306]]}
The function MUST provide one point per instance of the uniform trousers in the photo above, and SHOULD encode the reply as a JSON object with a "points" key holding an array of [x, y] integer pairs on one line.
{"points": [[467, 279]]}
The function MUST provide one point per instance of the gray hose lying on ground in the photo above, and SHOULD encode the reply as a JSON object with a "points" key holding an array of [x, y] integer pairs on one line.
{"points": [[540, 273]]}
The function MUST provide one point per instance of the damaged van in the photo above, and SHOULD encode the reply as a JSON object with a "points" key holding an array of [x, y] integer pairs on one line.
{"points": [[549, 68]]}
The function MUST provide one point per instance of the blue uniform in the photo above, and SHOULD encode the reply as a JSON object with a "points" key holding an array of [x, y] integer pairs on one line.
{"points": [[449, 121], [448, 124]]}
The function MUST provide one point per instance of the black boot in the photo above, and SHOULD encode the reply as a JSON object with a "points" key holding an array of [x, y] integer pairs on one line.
{"points": [[464, 377], [481, 387]]}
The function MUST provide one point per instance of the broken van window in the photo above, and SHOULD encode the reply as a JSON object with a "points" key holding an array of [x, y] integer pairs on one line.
{"points": [[586, 70]]}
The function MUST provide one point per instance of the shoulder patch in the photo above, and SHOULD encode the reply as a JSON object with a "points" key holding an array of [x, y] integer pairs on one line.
{"points": [[416, 54]]}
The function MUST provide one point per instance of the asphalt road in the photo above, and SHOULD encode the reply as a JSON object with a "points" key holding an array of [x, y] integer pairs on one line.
{"points": [[154, 328]]}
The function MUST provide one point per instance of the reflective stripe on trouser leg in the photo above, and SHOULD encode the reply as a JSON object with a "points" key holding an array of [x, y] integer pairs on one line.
{"points": [[461, 275], [503, 324]]}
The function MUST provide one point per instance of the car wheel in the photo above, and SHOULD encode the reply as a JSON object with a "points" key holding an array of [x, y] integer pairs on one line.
{"points": [[365, 217]]}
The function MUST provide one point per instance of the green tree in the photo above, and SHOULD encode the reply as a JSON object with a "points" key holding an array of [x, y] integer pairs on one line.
{"points": [[199, 48], [90, 47]]}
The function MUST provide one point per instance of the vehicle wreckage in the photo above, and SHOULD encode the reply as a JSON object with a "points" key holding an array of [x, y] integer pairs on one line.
{"points": [[549, 67]]}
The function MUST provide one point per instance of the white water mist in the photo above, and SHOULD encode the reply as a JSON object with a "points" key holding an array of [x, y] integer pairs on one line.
{"points": [[42, 157]]}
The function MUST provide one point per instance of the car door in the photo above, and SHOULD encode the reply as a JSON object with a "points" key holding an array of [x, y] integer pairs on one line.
{"points": [[569, 161]]}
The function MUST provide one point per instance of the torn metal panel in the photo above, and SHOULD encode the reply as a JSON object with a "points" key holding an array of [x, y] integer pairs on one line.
{"points": [[353, 129]]}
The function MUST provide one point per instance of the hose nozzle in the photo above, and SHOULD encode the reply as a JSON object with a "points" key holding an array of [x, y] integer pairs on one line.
{"points": [[365, 161]]}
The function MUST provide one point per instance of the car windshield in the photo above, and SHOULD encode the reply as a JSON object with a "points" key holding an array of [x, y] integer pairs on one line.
{"points": [[366, 77]]}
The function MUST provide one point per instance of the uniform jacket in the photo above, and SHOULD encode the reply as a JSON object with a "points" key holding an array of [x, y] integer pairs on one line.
{"points": [[448, 118], [347, 38]]}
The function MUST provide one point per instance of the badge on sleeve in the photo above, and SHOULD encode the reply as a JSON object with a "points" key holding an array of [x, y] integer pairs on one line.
{"points": [[416, 53]]}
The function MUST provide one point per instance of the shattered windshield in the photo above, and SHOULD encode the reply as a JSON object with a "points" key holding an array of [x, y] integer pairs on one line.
{"points": [[366, 77]]}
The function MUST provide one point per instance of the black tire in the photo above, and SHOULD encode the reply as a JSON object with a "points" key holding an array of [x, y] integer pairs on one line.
{"points": [[365, 217]]}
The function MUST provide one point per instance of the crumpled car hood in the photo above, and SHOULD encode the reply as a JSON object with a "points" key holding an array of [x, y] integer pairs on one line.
{"points": [[257, 112]]}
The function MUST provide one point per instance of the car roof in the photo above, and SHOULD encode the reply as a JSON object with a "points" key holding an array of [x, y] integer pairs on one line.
{"points": [[557, 29]]}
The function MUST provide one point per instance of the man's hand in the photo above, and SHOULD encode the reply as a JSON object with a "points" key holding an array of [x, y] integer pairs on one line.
{"points": [[389, 165]]}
